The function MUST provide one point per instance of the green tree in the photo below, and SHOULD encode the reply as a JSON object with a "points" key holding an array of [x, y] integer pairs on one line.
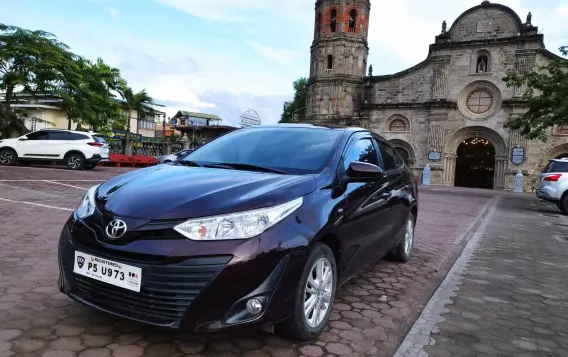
{"points": [[141, 103], [32, 62], [546, 96], [87, 94], [299, 102]]}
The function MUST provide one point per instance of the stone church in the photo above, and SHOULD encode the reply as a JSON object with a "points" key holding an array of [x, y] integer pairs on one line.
{"points": [[447, 111]]}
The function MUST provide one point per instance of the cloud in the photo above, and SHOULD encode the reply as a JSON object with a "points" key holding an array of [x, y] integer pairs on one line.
{"points": [[218, 10], [113, 13], [275, 54]]}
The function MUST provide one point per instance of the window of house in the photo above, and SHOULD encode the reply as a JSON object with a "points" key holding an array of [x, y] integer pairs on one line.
{"points": [[352, 20], [397, 125], [329, 64], [333, 25]]}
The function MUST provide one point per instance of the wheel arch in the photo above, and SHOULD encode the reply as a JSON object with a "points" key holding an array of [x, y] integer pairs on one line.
{"points": [[73, 152], [334, 243]]}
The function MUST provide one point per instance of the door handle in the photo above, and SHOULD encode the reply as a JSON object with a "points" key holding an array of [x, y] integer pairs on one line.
{"points": [[386, 195]]}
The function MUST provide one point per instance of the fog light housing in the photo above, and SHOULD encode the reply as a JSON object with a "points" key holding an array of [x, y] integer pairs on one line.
{"points": [[254, 306]]}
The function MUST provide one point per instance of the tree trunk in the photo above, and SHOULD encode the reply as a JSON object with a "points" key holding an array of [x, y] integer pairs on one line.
{"points": [[69, 124], [127, 143]]}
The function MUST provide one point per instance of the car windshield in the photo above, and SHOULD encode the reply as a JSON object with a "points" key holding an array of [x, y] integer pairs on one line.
{"points": [[291, 150]]}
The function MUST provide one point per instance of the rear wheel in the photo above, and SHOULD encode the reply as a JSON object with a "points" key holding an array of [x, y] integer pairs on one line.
{"points": [[74, 161], [314, 296], [404, 249], [8, 157], [563, 205]]}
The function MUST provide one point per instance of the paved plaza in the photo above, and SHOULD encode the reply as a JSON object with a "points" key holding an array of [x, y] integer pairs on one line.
{"points": [[506, 294]]}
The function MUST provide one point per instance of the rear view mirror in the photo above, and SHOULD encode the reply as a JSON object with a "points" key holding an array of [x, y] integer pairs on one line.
{"points": [[21, 138], [362, 171]]}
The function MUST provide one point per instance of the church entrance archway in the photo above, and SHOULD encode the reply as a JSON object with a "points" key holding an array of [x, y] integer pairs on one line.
{"points": [[475, 156], [475, 163], [405, 150]]}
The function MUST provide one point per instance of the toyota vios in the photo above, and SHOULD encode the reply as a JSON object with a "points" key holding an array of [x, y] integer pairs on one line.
{"points": [[258, 227]]}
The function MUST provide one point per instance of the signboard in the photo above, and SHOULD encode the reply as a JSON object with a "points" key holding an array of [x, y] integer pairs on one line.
{"points": [[434, 156], [518, 155], [122, 135]]}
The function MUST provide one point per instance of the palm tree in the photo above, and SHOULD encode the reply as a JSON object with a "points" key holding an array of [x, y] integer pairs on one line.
{"points": [[139, 102]]}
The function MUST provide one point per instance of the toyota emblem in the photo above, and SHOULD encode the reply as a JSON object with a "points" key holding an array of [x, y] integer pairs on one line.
{"points": [[116, 229]]}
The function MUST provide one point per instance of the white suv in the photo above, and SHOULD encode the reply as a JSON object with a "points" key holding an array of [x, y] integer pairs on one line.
{"points": [[553, 186], [77, 149]]}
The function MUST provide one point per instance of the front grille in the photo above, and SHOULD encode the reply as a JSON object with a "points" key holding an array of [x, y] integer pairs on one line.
{"points": [[167, 291]]}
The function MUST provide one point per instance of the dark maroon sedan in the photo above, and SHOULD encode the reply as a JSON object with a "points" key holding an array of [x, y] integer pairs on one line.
{"points": [[258, 227]]}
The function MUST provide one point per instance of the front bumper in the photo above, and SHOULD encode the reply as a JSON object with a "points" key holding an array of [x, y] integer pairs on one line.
{"points": [[188, 290]]}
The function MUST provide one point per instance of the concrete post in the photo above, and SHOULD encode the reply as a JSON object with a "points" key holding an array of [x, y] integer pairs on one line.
{"points": [[519, 178], [185, 141], [426, 175]]}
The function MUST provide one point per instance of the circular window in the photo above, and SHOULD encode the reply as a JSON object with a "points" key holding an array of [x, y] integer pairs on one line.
{"points": [[479, 101]]}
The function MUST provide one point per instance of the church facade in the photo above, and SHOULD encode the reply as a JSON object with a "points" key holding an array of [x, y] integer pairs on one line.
{"points": [[447, 111]]}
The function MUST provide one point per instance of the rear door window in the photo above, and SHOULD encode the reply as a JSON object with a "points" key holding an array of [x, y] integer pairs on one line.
{"points": [[389, 157], [556, 166]]}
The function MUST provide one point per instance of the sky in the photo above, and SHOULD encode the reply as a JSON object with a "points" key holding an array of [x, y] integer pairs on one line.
{"points": [[227, 56]]}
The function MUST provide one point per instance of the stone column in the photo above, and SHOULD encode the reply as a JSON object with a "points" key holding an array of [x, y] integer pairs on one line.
{"points": [[449, 169], [499, 175], [185, 141]]}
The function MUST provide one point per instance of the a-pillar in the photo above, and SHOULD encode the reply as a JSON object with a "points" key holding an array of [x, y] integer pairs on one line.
{"points": [[449, 169], [500, 169]]}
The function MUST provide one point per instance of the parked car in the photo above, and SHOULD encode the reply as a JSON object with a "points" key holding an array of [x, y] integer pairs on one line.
{"points": [[258, 227], [168, 159], [553, 185], [76, 149]]}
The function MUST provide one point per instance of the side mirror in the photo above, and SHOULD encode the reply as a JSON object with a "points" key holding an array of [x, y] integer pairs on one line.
{"points": [[22, 138], [362, 171]]}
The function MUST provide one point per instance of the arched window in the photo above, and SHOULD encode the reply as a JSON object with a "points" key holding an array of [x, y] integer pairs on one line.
{"points": [[318, 25], [352, 20], [333, 25], [482, 64], [329, 64], [397, 125]]}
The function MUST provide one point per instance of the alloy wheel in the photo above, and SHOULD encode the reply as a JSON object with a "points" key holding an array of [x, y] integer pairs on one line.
{"points": [[409, 237], [318, 292], [74, 162], [6, 157]]}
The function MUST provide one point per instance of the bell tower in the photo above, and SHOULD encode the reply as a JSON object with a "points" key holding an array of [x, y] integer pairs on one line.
{"points": [[338, 60]]}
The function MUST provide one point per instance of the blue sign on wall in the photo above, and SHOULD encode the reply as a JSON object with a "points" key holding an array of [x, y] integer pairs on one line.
{"points": [[434, 156], [518, 155]]}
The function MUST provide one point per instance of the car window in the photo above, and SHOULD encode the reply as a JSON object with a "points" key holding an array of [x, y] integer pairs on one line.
{"points": [[77, 136], [58, 135], [389, 157], [363, 151], [557, 166], [38, 135], [293, 150]]}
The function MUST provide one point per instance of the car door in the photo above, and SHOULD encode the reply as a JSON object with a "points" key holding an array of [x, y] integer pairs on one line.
{"points": [[400, 187], [57, 144], [366, 216], [33, 146]]}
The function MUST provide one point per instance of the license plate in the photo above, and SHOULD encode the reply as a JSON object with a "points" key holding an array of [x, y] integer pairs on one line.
{"points": [[108, 271]]}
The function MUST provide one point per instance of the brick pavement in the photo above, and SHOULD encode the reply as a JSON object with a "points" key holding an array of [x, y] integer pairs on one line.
{"points": [[372, 313], [507, 295]]}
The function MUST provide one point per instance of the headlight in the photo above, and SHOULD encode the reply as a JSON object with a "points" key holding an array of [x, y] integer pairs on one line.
{"points": [[87, 205], [241, 225]]}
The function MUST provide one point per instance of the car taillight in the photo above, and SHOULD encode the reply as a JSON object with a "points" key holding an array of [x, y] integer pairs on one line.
{"points": [[553, 178], [99, 145]]}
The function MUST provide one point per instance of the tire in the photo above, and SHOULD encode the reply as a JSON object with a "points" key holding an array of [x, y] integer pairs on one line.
{"points": [[167, 162], [298, 326], [403, 250], [8, 157], [564, 206], [559, 205], [74, 161]]}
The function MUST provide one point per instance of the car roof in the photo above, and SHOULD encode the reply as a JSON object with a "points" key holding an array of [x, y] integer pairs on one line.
{"points": [[309, 126]]}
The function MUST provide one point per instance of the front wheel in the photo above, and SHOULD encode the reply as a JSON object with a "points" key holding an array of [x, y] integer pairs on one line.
{"points": [[314, 296], [74, 161], [404, 249], [7, 157]]}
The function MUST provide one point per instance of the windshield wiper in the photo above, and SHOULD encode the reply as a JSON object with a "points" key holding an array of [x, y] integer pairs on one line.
{"points": [[246, 167], [189, 163]]}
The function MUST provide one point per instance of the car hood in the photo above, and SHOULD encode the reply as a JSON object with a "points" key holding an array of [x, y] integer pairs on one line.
{"points": [[177, 192]]}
